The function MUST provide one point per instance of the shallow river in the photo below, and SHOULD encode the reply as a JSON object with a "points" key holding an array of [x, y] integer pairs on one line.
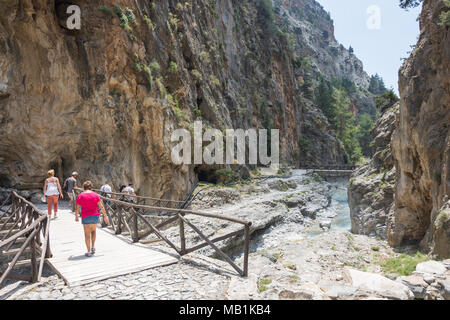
{"points": [[338, 213]]}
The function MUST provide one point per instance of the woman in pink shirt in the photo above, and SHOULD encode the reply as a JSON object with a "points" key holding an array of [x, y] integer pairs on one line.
{"points": [[89, 202]]}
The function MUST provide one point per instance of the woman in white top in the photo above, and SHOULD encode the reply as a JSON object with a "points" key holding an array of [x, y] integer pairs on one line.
{"points": [[52, 190]]}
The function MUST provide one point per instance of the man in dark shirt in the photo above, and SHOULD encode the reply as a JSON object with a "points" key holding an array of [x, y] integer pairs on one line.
{"points": [[69, 185]]}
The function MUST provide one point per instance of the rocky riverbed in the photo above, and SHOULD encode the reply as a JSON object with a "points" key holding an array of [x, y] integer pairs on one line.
{"points": [[301, 248]]}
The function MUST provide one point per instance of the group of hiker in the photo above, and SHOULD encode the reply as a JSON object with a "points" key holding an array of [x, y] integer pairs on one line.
{"points": [[88, 203]]}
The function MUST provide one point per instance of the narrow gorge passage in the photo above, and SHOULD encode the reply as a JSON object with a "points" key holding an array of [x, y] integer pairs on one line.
{"points": [[304, 205]]}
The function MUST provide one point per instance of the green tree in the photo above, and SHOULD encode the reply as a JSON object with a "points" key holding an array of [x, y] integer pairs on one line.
{"points": [[376, 85], [267, 16], [364, 134], [386, 99], [346, 128], [405, 4], [324, 100]]}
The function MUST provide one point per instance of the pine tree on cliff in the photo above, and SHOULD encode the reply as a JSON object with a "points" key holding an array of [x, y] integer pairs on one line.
{"points": [[405, 4], [324, 100]]}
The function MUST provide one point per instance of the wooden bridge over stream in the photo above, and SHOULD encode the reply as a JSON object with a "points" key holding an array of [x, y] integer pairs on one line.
{"points": [[333, 170], [30, 239]]}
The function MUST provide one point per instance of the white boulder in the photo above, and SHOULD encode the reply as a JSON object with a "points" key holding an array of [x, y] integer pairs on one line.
{"points": [[377, 284], [431, 267]]}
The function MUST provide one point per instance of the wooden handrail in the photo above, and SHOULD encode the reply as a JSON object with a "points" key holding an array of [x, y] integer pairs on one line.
{"points": [[25, 220], [124, 212], [171, 210], [136, 196]]}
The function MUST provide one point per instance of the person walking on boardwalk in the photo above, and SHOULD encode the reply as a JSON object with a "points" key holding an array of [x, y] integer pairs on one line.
{"points": [[106, 191], [52, 190], [130, 190], [122, 197], [69, 185], [89, 202]]}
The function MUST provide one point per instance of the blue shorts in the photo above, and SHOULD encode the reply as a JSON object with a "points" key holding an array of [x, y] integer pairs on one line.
{"points": [[91, 220]]}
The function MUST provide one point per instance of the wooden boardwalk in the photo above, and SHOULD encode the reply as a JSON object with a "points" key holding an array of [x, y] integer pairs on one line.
{"points": [[116, 255], [334, 172]]}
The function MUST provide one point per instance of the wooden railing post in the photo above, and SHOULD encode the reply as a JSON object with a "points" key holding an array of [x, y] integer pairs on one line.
{"points": [[119, 222], [246, 248], [34, 269], [74, 205], [48, 251], [135, 235], [182, 236]]}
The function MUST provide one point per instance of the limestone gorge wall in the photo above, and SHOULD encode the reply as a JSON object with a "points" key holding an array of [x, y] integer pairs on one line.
{"points": [[421, 143], [371, 187], [419, 209], [104, 99]]}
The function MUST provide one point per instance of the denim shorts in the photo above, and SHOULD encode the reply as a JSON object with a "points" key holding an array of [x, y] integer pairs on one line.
{"points": [[91, 220]]}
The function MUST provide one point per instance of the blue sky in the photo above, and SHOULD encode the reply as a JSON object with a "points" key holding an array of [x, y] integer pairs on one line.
{"points": [[385, 42]]}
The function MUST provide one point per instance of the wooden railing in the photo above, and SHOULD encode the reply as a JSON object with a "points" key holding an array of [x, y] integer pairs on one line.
{"points": [[125, 215], [22, 224], [155, 202]]}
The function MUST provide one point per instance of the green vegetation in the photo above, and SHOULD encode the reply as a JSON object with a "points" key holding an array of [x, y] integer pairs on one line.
{"points": [[174, 21], [376, 85], [405, 4], [149, 75], [215, 81], [161, 87], [173, 68], [197, 75], [149, 22], [122, 17], [155, 67], [277, 256], [132, 37], [364, 134], [130, 16], [141, 66], [345, 124], [225, 176], [317, 178], [267, 17], [303, 143], [441, 219], [387, 98], [263, 283], [445, 16], [256, 172], [335, 98], [404, 264]]}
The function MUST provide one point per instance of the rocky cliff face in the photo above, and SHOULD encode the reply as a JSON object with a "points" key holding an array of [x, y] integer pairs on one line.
{"points": [[371, 188], [421, 143], [104, 100], [419, 211]]}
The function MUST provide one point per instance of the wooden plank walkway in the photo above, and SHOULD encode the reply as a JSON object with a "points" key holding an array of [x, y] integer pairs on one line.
{"points": [[115, 255], [334, 172]]}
